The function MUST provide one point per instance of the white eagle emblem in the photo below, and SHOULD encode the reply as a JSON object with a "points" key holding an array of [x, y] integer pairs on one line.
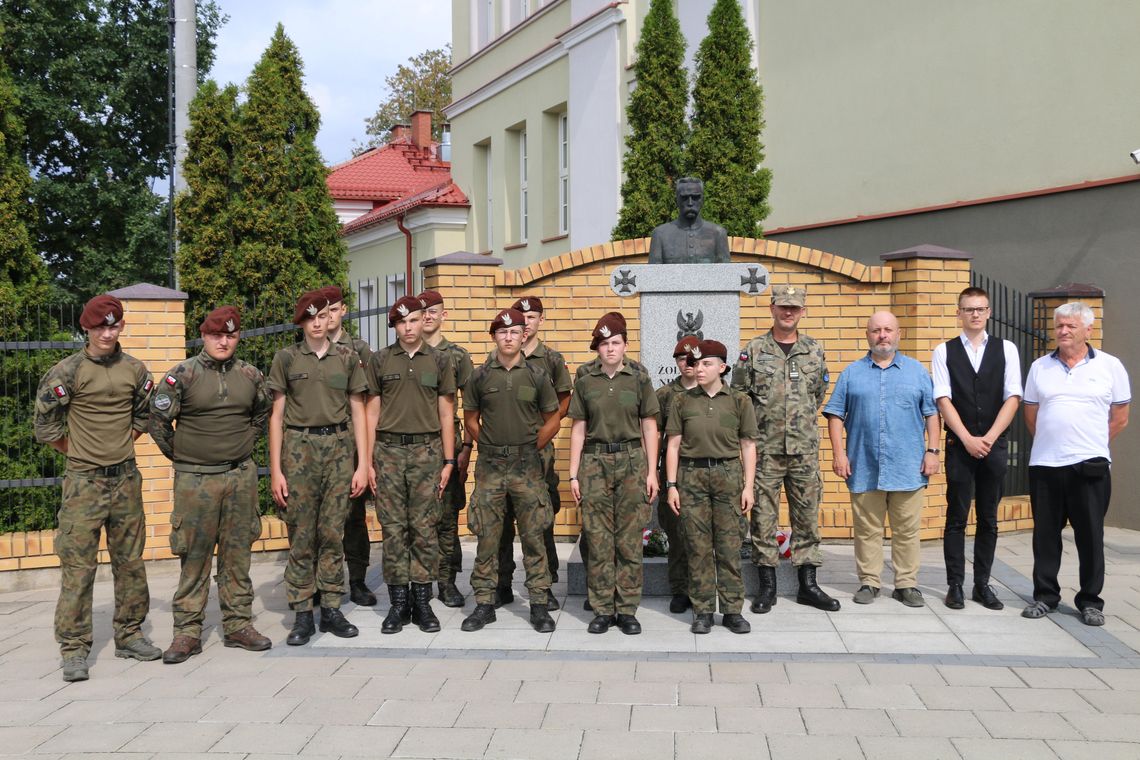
{"points": [[604, 331], [109, 319], [791, 291], [312, 309], [229, 325], [696, 352], [525, 303], [403, 310], [506, 318]]}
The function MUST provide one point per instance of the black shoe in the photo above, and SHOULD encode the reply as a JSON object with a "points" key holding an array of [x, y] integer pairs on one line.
{"points": [[600, 624], [360, 594], [954, 598], [540, 619], [679, 603], [628, 625], [334, 622], [303, 629], [766, 597], [552, 603], [702, 622], [736, 623], [400, 613], [449, 594], [503, 595], [483, 614], [985, 596], [422, 614], [587, 606], [811, 594]]}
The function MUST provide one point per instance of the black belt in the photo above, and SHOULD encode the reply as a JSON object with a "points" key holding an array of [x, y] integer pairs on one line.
{"points": [[506, 451], [209, 469], [403, 439], [601, 447], [111, 471], [320, 429], [706, 462]]}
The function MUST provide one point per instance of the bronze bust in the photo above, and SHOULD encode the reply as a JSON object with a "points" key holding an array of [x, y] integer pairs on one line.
{"points": [[689, 239]]}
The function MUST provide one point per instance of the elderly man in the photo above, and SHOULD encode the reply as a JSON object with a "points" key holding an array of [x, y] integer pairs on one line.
{"points": [[1076, 402], [885, 401]]}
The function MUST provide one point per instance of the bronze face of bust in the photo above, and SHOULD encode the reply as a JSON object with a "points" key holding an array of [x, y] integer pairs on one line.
{"points": [[689, 239]]}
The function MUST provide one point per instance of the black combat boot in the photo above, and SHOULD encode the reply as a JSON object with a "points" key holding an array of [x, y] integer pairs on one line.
{"points": [[360, 594], [399, 614], [766, 597], [422, 614], [540, 619], [811, 594], [334, 622], [702, 622], [504, 595], [483, 614], [303, 629], [449, 593]]}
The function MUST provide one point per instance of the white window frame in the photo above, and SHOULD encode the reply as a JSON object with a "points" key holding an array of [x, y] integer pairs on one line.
{"points": [[524, 220], [563, 175], [486, 22]]}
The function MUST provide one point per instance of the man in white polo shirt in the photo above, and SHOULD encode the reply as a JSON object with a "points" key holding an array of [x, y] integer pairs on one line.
{"points": [[1076, 402]]}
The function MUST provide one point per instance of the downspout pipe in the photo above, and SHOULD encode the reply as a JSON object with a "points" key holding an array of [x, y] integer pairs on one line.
{"points": [[408, 254]]}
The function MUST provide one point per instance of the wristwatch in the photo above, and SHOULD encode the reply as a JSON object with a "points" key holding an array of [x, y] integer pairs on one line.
{"points": [[452, 462], [934, 451], [670, 484]]}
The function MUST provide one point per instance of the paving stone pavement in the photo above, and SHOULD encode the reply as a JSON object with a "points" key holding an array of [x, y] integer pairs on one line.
{"points": [[881, 681]]}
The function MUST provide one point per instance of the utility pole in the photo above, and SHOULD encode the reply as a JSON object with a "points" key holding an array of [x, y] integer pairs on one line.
{"points": [[183, 84]]}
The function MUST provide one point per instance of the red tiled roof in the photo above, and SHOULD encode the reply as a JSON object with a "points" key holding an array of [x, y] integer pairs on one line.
{"points": [[388, 173], [446, 193]]}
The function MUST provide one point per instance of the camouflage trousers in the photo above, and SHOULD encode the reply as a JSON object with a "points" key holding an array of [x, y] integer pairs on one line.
{"points": [[614, 513], [450, 553], [318, 470], [710, 520], [678, 557], [507, 544], [357, 547], [799, 475], [408, 507], [517, 477], [211, 510], [90, 504]]}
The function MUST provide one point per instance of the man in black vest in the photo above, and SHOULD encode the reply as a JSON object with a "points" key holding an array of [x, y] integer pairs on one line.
{"points": [[977, 386]]}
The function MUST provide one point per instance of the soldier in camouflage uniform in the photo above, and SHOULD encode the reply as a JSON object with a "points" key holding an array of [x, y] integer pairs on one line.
{"points": [[785, 373], [711, 461], [91, 407], [221, 405], [551, 360], [510, 408], [317, 386], [666, 395], [357, 547], [613, 453], [411, 412], [455, 495]]}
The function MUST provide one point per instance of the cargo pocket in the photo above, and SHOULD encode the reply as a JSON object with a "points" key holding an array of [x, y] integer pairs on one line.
{"points": [[177, 539]]}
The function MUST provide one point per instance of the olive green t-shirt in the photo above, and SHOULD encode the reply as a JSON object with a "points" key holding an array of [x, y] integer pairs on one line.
{"points": [[316, 390], [510, 402], [96, 403], [712, 426], [409, 387], [613, 407]]}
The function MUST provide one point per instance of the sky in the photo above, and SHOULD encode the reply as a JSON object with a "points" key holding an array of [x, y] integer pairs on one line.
{"points": [[348, 47]]}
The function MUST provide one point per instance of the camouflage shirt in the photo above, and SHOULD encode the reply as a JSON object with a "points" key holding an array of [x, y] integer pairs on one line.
{"points": [[712, 426], [361, 347], [613, 407], [221, 408], [409, 387], [785, 390], [316, 390], [95, 403]]}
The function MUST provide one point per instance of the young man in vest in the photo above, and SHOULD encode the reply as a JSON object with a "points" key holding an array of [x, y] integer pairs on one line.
{"points": [[977, 386]]}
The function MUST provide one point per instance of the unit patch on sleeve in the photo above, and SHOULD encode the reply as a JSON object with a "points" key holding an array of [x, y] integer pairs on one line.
{"points": [[170, 380], [59, 391]]}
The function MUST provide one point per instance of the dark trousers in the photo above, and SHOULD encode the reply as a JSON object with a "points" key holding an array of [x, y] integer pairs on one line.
{"points": [[1059, 495], [980, 480]]}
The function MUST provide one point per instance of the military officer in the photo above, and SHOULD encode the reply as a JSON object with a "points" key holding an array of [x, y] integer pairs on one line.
{"points": [[455, 495], [411, 410], [221, 405], [317, 387], [711, 462], [91, 407], [784, 371], [511, 409], [666, 395], [534, 350], [357, 547], [613, 450]]}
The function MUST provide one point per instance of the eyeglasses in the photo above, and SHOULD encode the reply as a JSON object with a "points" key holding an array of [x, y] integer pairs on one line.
{"points": [[973, 309]]}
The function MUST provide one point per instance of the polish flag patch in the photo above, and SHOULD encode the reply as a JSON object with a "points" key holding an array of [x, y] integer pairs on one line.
{"points": [[148, 385], [59, 391], [170, 380]]}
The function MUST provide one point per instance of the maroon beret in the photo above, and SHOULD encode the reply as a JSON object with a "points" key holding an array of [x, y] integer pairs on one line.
{"points": [[611, 324], [402, 308], [309, 306], [528, 303], [430, 298], [507, 318], [685, 346], [333, 293], [709, 348], [101, 310], [224, 319]]}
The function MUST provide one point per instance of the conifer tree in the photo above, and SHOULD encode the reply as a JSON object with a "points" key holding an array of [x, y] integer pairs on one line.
{"points": [[724, 148], [657, 128]]}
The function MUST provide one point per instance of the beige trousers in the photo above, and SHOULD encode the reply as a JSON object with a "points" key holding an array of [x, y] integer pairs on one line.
{"points": [[905, 511]]}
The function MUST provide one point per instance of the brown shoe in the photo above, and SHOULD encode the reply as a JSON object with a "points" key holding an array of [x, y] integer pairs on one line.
{"points": [[247, 638], [182, 649]]}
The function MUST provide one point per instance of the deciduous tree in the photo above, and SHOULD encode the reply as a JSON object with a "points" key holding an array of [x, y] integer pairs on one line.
{"points": [[422, 84]]}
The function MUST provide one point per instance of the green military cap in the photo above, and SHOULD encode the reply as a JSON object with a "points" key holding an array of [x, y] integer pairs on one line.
{"points": [[789, 295]]}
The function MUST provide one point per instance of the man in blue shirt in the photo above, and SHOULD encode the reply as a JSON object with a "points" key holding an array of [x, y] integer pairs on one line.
{"points": [[885, 402]]}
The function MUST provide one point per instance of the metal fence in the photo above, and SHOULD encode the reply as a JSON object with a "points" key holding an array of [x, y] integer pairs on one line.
{"points": [[1012, 319]]}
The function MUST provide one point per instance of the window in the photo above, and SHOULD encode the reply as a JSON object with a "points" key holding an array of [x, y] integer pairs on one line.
{"points": [[485, 21], [563, 175], [523, 220]]}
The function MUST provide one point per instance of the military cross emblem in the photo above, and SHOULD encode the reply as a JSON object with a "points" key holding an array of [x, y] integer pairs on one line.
{"points": [[753, 279], [624, 282]]}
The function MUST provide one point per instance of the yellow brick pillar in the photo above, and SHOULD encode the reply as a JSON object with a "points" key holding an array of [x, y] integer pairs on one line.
{"points": [[1045, 301], [155, 333], [924, 296]]}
